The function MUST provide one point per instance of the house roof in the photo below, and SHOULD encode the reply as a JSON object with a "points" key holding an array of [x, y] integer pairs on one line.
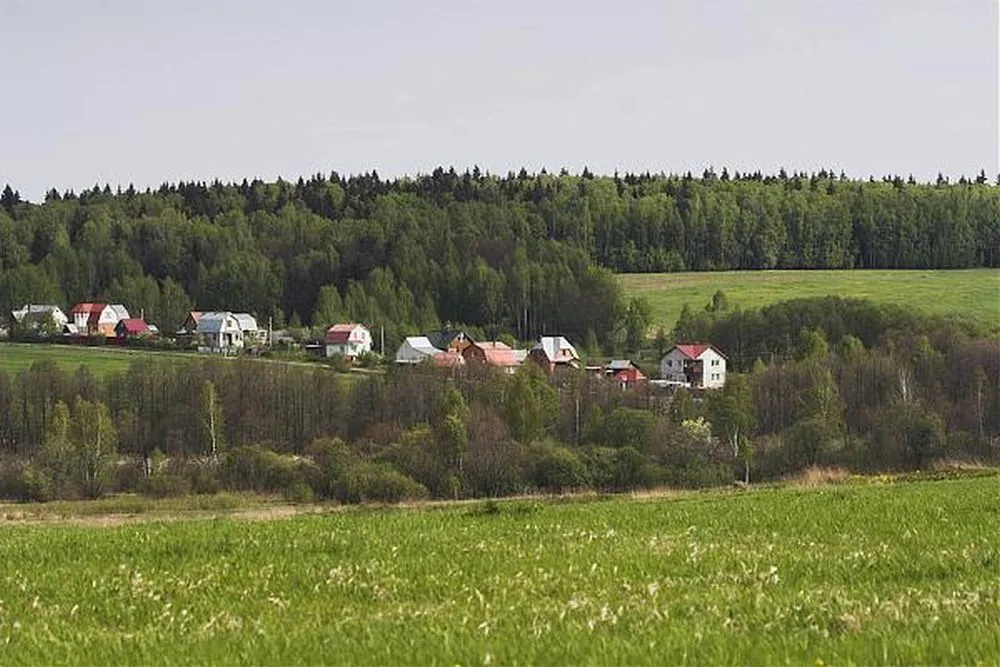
{"points": [[343, 333], [616, 365], [36, 312], [133, 326], [246, 321], [442, 338], [447, 359], [422, 345], [632, 374], [213, 322], [498, 354], [552, 345], [194, 316], [695, 350], [86, 307]]}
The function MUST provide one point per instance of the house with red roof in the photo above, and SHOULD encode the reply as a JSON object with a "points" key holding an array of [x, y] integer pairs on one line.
{"points": [[133, 327], [697, 365], [98, 319], [348, 340], [492, 353]]}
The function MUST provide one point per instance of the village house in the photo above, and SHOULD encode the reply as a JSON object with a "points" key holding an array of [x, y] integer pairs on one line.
{"points": [[226, 332], [415, 350], [132, 328], [492, 353], [190, 326], [253, 335], [349, 341], [98, 319], [626, 374], [449, 340], [34, 317], [697, 365], [554, 352]]}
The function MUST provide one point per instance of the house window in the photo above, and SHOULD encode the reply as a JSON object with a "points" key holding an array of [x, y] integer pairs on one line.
{"points": [[669, 363]]}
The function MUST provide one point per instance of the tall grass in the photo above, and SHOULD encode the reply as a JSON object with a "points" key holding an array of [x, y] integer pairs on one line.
{"points": [[851, 574]]}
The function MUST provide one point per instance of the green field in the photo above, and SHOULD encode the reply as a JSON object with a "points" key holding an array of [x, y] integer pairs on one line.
{"points": [[972, 292], [866, 573], [15, 357]]}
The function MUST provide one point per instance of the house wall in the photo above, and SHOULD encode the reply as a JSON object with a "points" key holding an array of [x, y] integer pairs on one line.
{"points": [[714, 376], [674, 370]]}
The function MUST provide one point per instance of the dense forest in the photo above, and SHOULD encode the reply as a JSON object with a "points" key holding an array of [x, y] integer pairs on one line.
{"points": [[523, 254], [830, 382]]}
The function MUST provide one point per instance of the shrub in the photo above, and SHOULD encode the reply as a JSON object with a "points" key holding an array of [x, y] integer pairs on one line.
{"points": [[36, 486], [202, 474], [165, 485], [128, 476], [377, 482], [300, 493], [558, 469], [257, 469]]}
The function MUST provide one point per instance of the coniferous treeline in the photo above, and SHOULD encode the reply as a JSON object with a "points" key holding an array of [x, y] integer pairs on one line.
{"points": [[848, 388], [519, 253]]}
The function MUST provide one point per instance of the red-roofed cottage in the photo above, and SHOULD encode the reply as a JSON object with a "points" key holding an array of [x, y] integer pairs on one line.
{"points": [[98, 319], [132, 328], [348, 340], [697, 365], [492, 353]]}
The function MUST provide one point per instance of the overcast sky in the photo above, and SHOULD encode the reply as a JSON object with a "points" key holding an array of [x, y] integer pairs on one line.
{"points": [[148, 91]]}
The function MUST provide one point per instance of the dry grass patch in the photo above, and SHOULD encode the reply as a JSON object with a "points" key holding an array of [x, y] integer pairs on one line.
{"points": [[814, 476]]}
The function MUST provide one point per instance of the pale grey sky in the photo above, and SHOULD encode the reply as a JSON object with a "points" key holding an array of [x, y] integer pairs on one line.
{"points": [[141, 91]]}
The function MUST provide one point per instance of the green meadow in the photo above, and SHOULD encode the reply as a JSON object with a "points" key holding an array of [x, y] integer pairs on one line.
{"points": [[972, 292], [868, 572], [15, 357]]}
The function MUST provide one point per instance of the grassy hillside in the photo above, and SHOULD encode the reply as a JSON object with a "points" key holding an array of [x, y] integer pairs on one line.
{"points": [[973, 292], [15, 357], [872, 573]]}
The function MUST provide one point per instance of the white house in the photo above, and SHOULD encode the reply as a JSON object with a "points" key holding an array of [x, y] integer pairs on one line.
{"points": [[551, 352], [33, 316], [415, 349], [697, 365], [348, 340], [219, 332]]}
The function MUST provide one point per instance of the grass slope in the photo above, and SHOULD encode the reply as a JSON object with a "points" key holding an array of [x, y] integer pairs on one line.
{"points": [[15, 357], [972, 292], [867, 574]]}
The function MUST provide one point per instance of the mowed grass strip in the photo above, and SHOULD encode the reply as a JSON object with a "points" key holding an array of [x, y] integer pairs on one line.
{"points": [[867, 574], [973, 292]]}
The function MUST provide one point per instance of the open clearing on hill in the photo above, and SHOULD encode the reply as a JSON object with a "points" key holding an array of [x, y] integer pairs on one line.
{"points": [[862, 573], [970, 292], [15, 357]]}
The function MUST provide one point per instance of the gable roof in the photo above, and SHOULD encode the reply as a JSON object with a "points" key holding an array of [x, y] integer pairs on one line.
{"points": [[340, 334], [421, 344], [551, 346], [86, 307], [498, 354], [213, 322], [442, 338], [133, 325], [616, 365], [33, 312], [447, 359], [246, 321], [695, 350], [632, 374]]}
